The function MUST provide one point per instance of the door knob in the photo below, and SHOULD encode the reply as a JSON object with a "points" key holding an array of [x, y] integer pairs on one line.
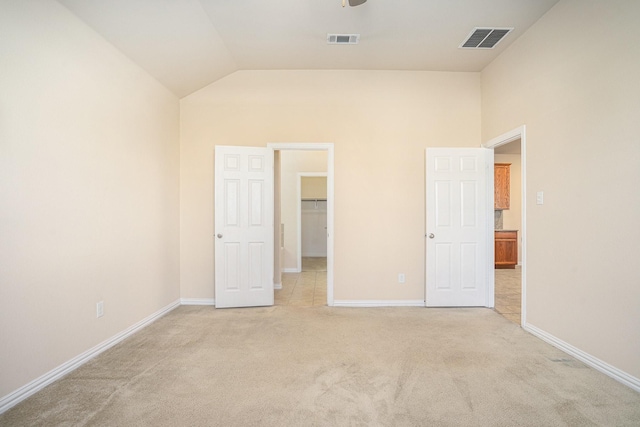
{"points": [[219, 236], [431, 235]]}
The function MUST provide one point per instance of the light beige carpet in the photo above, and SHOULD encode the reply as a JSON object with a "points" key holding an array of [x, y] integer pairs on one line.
{"points": [[321, 366]]}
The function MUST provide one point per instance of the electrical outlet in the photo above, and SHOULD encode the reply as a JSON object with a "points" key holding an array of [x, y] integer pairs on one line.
{"points": [[401, 278], [100, 309]]}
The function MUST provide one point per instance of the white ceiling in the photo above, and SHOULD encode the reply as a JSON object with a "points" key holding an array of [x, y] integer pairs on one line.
{"points": [[188, 44]]}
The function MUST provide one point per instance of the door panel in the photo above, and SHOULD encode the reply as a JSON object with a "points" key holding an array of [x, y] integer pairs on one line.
{"points": [[457, 226], [244, 226]]}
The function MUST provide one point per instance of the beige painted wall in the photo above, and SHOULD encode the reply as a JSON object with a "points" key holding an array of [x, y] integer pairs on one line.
{"points": [[577, 92], [380, 122], [314, 187], [512, 217], [292, 163], [88, 191]]}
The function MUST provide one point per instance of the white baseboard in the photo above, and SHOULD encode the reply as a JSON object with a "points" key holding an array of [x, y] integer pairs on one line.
{"points": [[290, 270], [594, 362], [197, 301], [277, 286], [378, 303], [38, 384]]}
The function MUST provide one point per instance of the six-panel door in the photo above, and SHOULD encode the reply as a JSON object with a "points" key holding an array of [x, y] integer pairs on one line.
{"points": [[456, 226], [243, 226]]}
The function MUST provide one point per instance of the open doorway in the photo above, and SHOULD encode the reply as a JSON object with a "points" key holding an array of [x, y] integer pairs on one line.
{"points": [[309, 286], [510, 229], [312, 221], [304, 224]]}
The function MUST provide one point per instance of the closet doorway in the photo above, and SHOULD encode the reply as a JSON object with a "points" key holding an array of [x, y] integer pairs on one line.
{"points": [[292, 285], [312, 221]]}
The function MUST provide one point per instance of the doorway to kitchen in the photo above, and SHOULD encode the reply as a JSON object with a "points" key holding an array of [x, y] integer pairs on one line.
{"points": [[509, 287]]}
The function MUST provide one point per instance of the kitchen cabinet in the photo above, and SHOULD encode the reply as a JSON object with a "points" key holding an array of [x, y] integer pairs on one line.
{"points": [[501, 185], [506, 248]]}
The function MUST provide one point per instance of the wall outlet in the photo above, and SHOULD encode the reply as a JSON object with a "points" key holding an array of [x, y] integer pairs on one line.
{"points": [[401, 278], [100, 309]]}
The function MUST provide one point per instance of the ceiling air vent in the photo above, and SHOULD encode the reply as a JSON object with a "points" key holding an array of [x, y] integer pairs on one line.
{"points": [[484, 38], [343, 38]]}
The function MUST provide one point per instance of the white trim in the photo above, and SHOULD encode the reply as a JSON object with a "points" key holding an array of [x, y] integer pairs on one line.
{"points": [[379, 303], [506, 138], [594, 362], [299, 214], [291, 270], [490, 273], [513, 135], [328, 147], [277, 286], [41, 382], [197, 301], [305, 146]]}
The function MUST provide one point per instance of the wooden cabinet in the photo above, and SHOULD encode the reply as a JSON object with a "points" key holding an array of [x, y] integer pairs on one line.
{"points": [[501, 185], [506, 248]]}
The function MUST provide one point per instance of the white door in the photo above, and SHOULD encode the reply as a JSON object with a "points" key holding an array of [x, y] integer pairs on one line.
{"points": [[243, 226], [457, 229]]}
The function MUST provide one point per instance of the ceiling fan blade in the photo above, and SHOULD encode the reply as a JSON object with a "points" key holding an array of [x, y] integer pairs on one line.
{"points": [[356, 2]]}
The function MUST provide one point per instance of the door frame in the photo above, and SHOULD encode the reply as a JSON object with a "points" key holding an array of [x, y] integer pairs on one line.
{"points": [[328, 147], [299, 211], [513, 135]]}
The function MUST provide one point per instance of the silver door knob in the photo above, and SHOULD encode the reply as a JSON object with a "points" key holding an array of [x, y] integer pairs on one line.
{"points": [[431, 235], [219, 236]]}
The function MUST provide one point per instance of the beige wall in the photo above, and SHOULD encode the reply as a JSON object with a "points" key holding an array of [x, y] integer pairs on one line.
{"points": [[380, 122], [294, 162], [572, 79], [512, 217], [314, 187], [88, 191]]}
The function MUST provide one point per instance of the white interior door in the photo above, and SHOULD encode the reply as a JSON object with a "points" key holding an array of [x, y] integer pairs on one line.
{"points": [[243, 226], [457, 229]]}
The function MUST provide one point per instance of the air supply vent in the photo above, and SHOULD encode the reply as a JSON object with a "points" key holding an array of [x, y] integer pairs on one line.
{"points": [[343, 38], [484, 38]]}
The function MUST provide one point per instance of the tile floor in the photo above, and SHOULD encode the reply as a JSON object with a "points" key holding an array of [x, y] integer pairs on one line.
{"points": [[305, 289], [309, 288], [508, 293]]}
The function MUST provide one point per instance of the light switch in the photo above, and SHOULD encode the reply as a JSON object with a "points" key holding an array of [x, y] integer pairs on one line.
{"points": [[540, 198]]}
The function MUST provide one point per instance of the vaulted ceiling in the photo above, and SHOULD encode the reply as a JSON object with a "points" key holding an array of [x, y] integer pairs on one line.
{"points": [[188, 44]]}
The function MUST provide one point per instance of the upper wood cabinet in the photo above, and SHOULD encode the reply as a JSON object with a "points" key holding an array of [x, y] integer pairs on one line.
{"points": [[501, 186]]}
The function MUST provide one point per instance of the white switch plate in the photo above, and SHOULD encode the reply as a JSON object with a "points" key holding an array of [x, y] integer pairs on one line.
{"points": [[540, 198], [401, 278], [100, 309]]}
